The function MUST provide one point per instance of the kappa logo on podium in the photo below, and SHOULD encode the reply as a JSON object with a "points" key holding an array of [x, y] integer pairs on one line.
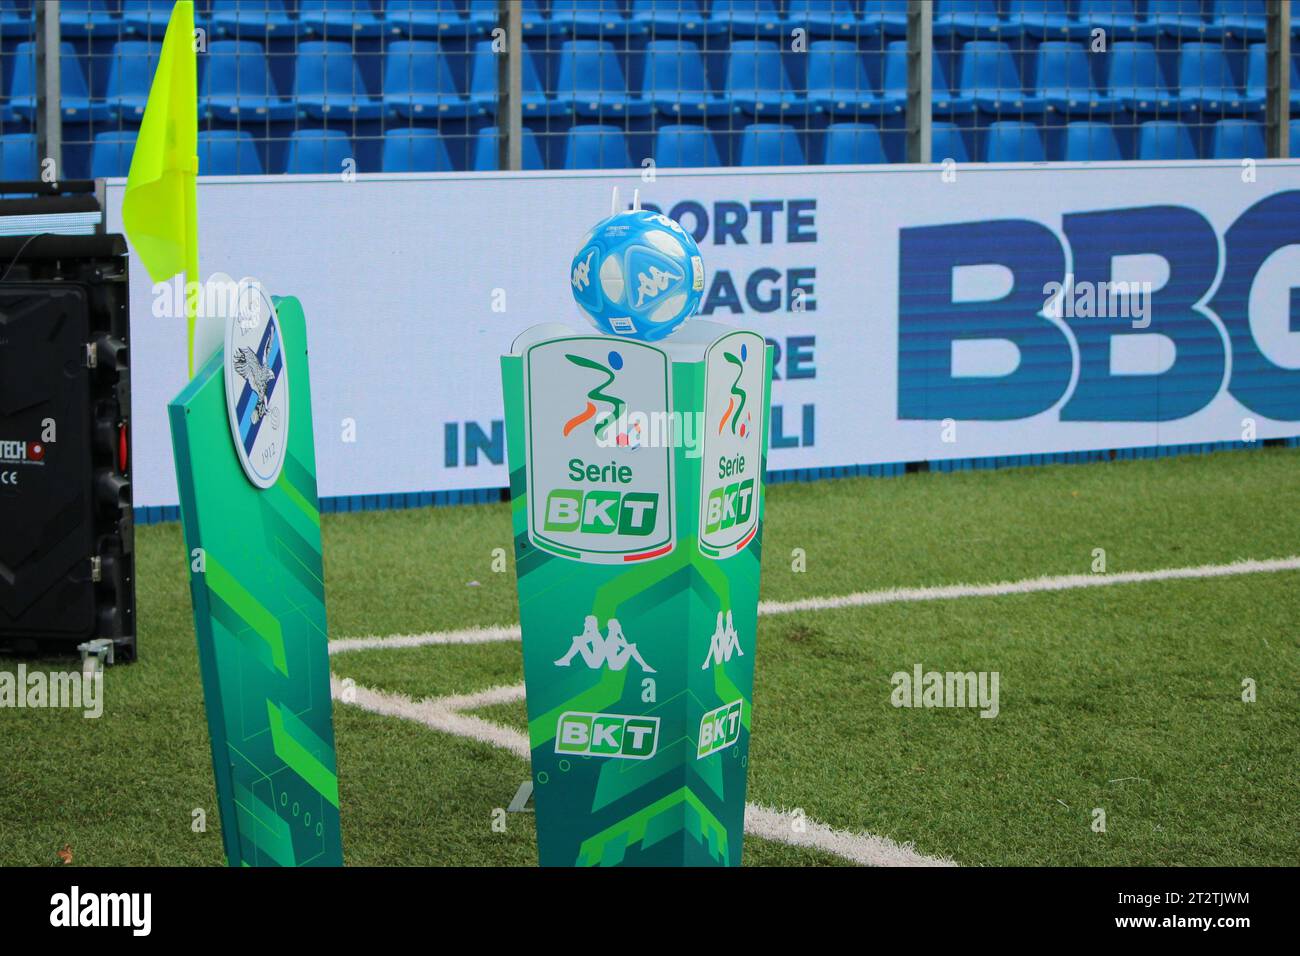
{"points": [[723, 644], [595, 493], [612, 651], [731, 480]]}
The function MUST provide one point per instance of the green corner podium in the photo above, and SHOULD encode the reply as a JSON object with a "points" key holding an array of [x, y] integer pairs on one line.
{"points": [[636, 486]]}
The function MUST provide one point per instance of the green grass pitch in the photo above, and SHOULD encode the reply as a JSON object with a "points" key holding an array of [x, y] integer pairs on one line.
{"points": [[1126, 699]]}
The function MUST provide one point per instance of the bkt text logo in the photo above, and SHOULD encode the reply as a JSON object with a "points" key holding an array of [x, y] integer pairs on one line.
{"points": [[1214, 325], [607, 735], [719, 729]]}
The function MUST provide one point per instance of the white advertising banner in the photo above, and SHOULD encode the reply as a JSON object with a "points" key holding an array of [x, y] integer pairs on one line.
{"points": [[918, 313]]}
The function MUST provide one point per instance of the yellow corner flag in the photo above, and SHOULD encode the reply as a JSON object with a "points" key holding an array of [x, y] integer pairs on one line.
{"points": [[159, 208]]}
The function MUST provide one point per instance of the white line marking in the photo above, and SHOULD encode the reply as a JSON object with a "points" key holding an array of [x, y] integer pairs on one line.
{"points": [[864, 848], [473, 635], [444, 714], [1066, 582]]}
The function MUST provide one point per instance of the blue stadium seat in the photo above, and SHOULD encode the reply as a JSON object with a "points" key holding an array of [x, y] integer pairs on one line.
{"points": [[415, 150], [129, 76], [258, 19], [1177, 18], [1293, 140], [7, 114], [483, 16], [110, 154], [1136, 80], [676, 18], [237, 84], [327, 83], [1119, 18], [1205, 80], [967, 18], [826, 18], [1238, 139], [674, 81], [770, 144], [318, 151], [1237, 19], [75, 103], [1164, 139], [18, 157], [989, 76], [485, 150], [756, 78], [591, 82], [228, 152], [17, 20], [427, 19], [1049, 19], [418, 82], [1011, 141], [88, 18], [685, 145], [343, 19], [483, 85], [894, 97], [837, 80], [947, 142], [885, 16], [147, 18], [596, 146], [853, 144], [1257, 80], [747, 17], [590, 18], [1065, 80], [1090, 142]]}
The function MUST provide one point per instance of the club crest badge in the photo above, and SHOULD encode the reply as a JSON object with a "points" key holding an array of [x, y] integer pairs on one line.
{"points": [[257, 387]]}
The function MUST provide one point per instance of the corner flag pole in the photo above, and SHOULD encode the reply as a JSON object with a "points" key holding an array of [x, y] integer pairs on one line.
{"points": [[159, 209]]}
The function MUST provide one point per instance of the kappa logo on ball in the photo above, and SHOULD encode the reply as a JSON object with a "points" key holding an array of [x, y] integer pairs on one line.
{"points": [[582, 272], [607, 735], [257, 391]]}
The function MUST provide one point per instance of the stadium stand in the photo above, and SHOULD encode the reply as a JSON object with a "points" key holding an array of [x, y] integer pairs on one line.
{"points": [[676, 79]]}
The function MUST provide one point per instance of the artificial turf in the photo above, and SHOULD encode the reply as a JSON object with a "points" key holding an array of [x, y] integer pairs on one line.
{"points": [[1124, 699]]}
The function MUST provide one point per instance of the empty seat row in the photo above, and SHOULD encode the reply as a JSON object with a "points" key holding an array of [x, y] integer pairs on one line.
{"points": [[1053, 19], [1018, 141], [231, 152], [237, 82]]}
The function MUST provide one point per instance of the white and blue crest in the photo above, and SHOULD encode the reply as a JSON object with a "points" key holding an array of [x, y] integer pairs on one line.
{"points": [[257, 387]]}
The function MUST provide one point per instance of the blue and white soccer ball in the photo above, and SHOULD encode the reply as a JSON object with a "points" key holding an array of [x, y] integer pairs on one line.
{"points": [[638, 274]]}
